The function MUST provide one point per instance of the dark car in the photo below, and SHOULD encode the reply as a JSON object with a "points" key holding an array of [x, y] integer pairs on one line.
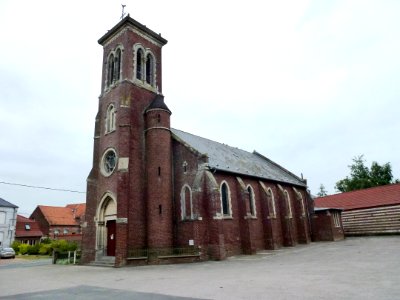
{"points": [[7, 252]]}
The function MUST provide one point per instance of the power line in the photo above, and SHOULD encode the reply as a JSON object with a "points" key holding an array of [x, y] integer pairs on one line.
{"points": [[41, 187]]}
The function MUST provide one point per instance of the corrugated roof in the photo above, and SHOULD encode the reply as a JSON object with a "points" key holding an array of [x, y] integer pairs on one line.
{"points": [[226, 158], [372, 197], [21, 230], [5, 203]]}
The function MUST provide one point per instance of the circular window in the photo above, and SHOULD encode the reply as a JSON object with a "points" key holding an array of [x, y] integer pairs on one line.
{"points": [[108, 162]]}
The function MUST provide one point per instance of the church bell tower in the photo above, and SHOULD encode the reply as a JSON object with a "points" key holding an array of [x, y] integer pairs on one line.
{"points": [[129, 189]]}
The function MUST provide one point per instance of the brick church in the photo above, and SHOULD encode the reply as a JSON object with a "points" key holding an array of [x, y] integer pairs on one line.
{"points": [[157, 194]]}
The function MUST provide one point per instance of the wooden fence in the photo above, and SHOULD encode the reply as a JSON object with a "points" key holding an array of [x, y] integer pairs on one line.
{"points": [[372, 221]]}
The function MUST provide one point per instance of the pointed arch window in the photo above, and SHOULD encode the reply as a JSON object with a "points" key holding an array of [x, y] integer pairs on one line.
{"points": [[303, 209], [114, 63], [288, 206], [186, 203], [118, 64], [110, 118], [225, 200], [252, 204], [271, 203], [145, 71], [139, 64], [110, 71], [150, 69]]}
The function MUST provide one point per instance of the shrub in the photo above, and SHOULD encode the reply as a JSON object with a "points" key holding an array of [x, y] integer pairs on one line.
{"points": [[72, 246], [34, 249], [15, 245], [45, 249], [46, 240], [63, 245], [24, 248]]}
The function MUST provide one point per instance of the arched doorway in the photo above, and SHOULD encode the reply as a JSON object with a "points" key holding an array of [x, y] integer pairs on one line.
{"points": [[106, 226]]}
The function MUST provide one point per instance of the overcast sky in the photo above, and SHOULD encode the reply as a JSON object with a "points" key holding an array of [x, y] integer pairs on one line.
{"points": [[309, 84]]}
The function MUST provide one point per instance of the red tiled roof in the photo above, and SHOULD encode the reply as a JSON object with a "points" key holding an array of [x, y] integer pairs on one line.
{"points": [[21, 230], [79, 208], [372, 197], [63, 215]]}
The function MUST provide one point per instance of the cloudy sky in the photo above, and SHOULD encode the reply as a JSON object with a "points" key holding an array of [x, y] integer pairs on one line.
{"points": [[309, 84]]}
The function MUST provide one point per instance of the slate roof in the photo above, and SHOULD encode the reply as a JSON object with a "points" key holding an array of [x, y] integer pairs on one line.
{"points": [[158, 103], [129, 21], [226, 158], [21, 231], [373, 197], [4, 203], [56, 215]]}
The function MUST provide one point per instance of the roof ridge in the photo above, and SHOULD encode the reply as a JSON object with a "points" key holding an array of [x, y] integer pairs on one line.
{"points": [[129, 20], [359, 191], [7, 203], [226, 145], [227, 158], [278, 165]]}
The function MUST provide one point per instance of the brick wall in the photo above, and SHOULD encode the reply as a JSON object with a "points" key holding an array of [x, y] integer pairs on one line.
{"points": [[38, 216], [324, 228]]}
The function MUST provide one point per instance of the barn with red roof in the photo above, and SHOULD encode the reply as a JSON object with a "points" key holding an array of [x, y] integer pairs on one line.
{"points": [[60, 222], [370, 211]]}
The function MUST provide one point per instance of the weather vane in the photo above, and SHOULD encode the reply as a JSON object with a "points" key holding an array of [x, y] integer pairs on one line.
{"points": [[123, 12]]}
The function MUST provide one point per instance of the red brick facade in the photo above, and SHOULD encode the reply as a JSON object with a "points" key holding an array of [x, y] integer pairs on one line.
{"points": [[162, 193], [60, 222], [327, 225]]}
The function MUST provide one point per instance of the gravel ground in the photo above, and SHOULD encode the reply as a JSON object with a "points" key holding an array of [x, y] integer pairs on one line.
{"points": [[356, 268]]}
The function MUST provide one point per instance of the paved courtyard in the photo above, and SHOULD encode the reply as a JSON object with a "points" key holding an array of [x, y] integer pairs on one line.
{"points": [[357, 268]]}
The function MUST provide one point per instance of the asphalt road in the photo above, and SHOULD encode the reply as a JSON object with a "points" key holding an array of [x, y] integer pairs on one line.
{"points": [[19, 263], [357, 268]]}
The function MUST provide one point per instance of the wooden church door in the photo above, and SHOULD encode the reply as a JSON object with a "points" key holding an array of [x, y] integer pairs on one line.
{"points": [[111, 237]]}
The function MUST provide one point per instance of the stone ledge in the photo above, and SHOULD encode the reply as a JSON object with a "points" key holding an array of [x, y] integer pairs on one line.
{"points": [[179, 256], [137, 258]]}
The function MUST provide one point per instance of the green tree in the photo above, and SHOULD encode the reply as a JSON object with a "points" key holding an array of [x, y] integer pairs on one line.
{"points": [[322, 191], [361, 177]]}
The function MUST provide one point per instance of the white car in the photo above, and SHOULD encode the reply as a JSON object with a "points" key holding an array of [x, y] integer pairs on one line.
{"points": [[7, 252]]}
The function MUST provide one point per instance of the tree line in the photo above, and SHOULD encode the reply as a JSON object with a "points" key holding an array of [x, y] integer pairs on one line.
{"points": [[362, 177]]}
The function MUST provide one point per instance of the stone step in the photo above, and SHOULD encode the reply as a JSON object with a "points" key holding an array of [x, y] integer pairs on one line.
{"points": [[101, 263], [106, 258]]}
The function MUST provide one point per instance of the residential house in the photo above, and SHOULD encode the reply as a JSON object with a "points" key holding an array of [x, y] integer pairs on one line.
{"points": [[8, 218], [28, 231], [60, 222]]}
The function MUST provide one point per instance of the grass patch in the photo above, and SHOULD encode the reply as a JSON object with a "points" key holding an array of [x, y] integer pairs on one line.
{"points": [[33, 257]]}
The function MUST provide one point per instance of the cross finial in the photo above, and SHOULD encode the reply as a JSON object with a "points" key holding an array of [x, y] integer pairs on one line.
{"points": [[123, 12]]}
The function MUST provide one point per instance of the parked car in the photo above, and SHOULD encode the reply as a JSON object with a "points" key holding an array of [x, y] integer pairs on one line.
{"points": [[7, 252]]}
